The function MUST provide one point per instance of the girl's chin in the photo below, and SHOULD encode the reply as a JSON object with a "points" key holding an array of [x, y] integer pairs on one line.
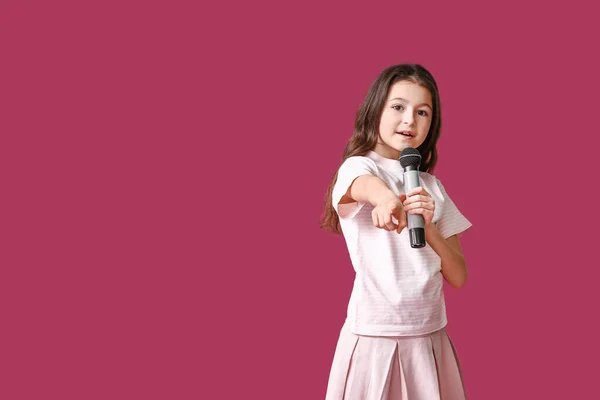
{"points": [[405, 144]]}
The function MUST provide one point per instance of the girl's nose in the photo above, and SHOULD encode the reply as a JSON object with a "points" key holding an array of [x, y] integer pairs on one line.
{"points": [[408, 119]]}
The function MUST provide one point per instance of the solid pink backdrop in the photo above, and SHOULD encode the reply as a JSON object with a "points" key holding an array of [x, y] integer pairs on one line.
{"points": [[163, 170]]}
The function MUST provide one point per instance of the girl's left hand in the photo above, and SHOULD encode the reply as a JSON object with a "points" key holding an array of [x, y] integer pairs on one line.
{"points": [[418, 201]]}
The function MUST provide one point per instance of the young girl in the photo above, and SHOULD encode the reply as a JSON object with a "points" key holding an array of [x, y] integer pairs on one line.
{"points": [[393, 344]]}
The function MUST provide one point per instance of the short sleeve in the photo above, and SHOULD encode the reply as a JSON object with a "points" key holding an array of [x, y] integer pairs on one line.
{"points": [[351, 168], [451, 221]]}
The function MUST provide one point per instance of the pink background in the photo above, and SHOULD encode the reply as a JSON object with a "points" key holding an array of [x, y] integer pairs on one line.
{"points": [[163, 166]]}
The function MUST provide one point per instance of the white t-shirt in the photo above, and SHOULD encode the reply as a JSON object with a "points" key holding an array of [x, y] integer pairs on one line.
{"points": [[397, 290]]}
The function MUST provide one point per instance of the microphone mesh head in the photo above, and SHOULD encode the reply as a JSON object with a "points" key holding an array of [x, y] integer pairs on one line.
{"points": [[410, 156]]}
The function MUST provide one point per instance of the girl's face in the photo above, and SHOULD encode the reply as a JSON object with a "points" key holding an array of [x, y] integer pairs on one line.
{"points": [[407, 111]]}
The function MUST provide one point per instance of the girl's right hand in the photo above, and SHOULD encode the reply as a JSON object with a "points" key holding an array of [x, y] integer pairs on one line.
{"points": [[383, 212]]}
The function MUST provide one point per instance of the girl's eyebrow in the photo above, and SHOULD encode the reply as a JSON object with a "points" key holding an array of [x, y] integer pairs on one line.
{"points": [[400, 98]]}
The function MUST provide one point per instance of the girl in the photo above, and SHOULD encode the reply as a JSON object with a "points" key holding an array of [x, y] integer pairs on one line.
{"points": [[393, 344]]}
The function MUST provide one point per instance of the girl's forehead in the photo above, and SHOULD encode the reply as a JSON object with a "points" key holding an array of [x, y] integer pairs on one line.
{"points": [[409, 91]]}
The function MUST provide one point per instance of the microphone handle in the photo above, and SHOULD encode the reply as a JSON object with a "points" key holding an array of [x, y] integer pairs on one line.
{"points": [[416, 223]]}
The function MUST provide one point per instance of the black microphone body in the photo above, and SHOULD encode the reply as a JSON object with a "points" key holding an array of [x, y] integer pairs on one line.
{"points": [[410, 159]]}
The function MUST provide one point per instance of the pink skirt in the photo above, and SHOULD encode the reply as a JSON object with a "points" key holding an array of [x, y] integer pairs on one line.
{"points": [[424, 367]]}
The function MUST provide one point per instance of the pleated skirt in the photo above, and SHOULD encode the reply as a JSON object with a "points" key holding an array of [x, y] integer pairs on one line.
{"points": [[424, 367]]}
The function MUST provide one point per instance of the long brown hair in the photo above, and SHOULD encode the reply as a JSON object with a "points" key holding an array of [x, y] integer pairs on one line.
{"points": [[368, 118]]}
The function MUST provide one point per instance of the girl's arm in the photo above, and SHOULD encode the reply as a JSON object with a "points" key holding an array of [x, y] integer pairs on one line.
{"points": [[371, 189], [454, 267], [368, 189]]}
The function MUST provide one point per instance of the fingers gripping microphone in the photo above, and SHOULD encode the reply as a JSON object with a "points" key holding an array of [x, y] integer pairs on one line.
{"points": [[410, 159]]}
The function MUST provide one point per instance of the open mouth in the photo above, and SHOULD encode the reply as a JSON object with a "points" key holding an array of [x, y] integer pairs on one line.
{"points": [[406, 134]]}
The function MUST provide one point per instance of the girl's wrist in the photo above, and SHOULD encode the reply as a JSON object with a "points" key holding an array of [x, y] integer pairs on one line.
{"points": [[431, 229], [384, 197]]}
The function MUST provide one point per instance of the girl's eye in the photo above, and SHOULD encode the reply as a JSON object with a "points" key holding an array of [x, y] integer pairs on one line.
{"points": [[423, 113], [397, 107]]}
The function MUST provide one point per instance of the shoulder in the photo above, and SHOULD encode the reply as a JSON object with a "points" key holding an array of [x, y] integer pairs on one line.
{"points": [[360, 160], [428, 178], [359, 163], [433, 183]]}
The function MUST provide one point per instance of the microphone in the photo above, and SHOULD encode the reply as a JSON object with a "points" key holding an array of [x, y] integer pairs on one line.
{"points": [[410, 160]]}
